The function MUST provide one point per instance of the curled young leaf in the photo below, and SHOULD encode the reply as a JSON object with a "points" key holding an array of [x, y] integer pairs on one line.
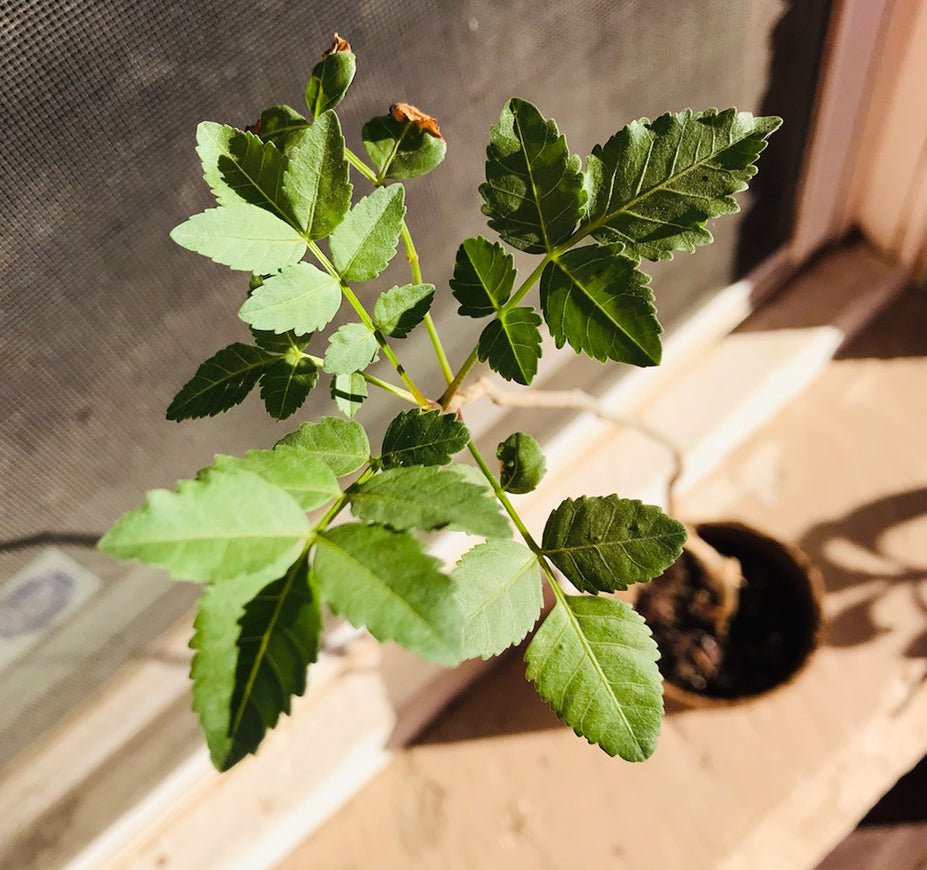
{"points": [[401, 147], [522, 464], [281, 125], [331, 77]]}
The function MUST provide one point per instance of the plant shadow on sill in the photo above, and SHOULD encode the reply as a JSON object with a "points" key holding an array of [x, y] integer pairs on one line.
{"points": [[851, 552]]}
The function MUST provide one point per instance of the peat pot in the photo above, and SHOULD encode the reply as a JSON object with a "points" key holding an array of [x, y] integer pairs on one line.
{"points": [[776, 627]]}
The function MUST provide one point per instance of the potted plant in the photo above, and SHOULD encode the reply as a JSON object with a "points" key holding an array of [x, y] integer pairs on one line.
{"points": [[289, 187]]}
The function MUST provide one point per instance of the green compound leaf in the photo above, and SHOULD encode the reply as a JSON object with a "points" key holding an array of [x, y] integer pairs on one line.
{"points": [[511, 344], [605, 543], [341, 444], [522, 463], [253, 646], [285, 384], [400, 309], [281, 125], [349, 392], [429, 498], [653, 185], [220, 383], [224, 525], [331, 78], [598, 300], [401, 148], [239, 167], [351, 348], [241, 236], [315, 183], [483, 277], [594, 661], [534, 187], [302, 474], [384, 581], [300, 298], [365, 241], [498, 589], [423, 438]]}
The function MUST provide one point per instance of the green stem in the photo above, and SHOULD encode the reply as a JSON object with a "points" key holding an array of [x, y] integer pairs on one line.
{"points": [[365, 318], [527, 284], [458, 379], [503, 498], [416, 268], [377, 382], [338, 505], [527, 537], [360, 166]]}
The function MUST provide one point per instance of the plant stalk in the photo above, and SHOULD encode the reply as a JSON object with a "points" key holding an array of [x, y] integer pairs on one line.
{"points": [[516, 519], [365, 318]]}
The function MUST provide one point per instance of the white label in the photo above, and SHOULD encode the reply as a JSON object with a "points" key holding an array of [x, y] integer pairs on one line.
{"points": [[44, 594]]}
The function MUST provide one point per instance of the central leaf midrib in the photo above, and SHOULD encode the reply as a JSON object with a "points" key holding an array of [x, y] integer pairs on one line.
{"points": [[534, 189], [259, 656], [229, 376], [574, 619]]}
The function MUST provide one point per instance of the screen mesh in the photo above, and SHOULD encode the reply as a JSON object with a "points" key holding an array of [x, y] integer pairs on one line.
{"points": [[103, 318]]}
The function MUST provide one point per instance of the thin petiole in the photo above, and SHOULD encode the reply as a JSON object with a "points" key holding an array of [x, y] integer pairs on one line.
{"points": [[365, 318], [416, 268], [517, 521], [405, 395]]}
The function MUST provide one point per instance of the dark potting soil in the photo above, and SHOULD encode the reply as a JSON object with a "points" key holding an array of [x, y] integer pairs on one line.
{"points": [[770, 636]]}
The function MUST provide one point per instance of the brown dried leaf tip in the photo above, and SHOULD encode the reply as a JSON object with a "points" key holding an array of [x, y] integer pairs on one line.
{"points": [[255, 127], [405, 112], [338, 45]]}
